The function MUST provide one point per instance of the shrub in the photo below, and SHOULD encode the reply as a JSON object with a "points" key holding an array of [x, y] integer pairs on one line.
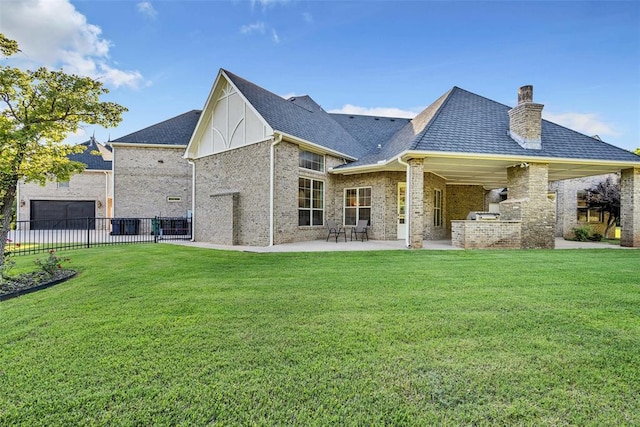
{"points": [[52, 263], [581, 233], [596, 237]]}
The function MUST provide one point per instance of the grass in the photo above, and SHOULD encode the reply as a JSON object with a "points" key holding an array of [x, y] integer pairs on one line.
{"points": [[167, 335]]}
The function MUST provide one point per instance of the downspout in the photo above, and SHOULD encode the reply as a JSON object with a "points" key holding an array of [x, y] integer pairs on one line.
{"points": [[193, 199], [272, 160], [106, 198], [407, 204]]}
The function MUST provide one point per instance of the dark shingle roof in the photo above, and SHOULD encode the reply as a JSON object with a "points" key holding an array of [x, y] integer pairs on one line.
{"points": [[300, 117], [372, 132], [470, 123], [93, 161], [174, 131], [463, 122]]}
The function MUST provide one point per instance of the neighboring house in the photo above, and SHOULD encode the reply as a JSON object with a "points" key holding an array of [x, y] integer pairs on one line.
{"points": [[271, 171], [572, 209], [150, 176], [60, 204]]}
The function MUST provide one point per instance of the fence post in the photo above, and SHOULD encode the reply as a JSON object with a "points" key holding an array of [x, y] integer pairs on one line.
{"points": [[155, 227], [88, 233]]}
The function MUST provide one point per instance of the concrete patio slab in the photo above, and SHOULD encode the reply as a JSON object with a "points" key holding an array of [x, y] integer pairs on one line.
{"points": [[371, 245]]}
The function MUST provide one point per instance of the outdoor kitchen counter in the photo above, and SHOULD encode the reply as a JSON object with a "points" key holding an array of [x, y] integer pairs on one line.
{"points": [[486, 234]]}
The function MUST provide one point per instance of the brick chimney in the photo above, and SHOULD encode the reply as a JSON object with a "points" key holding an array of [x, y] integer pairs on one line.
{"points": [[525, 120]]}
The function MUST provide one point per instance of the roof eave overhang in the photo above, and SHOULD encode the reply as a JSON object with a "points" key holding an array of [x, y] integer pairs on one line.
{"points": [[313, 146], [146, 145], [382, 165]]}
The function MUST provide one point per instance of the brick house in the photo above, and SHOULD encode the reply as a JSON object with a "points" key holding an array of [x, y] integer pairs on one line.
{"points": [[270, 171], [572, 210], [151, 177], [88, 194]]}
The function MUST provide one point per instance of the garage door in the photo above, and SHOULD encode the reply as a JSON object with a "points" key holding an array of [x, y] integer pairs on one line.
{"points": [[62, 214]]}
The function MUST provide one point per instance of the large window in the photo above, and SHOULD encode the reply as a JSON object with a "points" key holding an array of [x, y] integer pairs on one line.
{"points": [[312, 161], [584, 213], [437, 208], [310, 202], [357, 205]]}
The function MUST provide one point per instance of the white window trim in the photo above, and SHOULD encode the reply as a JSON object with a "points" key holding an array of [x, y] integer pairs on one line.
{"points": [[438, 209], [324, 161], [311, 209], [357, 207]]}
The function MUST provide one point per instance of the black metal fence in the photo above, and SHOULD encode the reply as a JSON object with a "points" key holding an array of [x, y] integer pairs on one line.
{"points": [[30, 237]]}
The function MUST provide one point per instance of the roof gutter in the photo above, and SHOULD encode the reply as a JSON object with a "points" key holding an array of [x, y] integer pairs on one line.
{"points": [[272, 159], [146, 145], [381, 164], [313, 145]]}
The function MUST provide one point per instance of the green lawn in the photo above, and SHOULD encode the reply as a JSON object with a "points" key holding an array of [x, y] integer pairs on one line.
{"points": [[165, 335]]}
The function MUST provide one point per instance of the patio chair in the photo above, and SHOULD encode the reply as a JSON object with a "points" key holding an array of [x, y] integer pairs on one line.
{"points": [[361, 229], [335, 230]]}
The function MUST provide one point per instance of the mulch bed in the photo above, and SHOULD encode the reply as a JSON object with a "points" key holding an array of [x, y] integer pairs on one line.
{"points": [[31, 282]]}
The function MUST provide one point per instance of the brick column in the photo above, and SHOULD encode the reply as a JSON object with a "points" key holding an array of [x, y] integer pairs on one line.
{"points": [[416, 216], [528, 202], [630, 207]]}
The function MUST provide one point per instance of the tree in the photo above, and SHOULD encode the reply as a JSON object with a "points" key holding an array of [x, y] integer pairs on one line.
{"points": [[637, 151], [605, 195], [38, 109]]}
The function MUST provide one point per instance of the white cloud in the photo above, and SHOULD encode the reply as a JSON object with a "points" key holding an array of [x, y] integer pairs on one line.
{"points": [[147, 9], [276, 39], [587, 123], [290, 95], [257, 27], [267, 3], [375, 111], [54, 34]]}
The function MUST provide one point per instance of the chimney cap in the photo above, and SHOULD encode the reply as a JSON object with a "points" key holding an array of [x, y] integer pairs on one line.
{"points": [[525, 94]]}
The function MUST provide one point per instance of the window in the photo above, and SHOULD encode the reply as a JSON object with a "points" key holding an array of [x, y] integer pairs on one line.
{"points": [[310, 202], [586, 214], [312, 161], [437, 208], [357, 205]]}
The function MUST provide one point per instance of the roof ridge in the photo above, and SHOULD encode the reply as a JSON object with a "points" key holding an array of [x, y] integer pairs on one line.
{"points": [[416, 141], [374, 117]]}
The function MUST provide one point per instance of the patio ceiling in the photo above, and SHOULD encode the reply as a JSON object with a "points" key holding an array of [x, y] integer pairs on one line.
{"points": [[492, 172]]}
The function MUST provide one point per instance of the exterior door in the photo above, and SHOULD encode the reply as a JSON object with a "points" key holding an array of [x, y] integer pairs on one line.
{"points": [[402, 199]]}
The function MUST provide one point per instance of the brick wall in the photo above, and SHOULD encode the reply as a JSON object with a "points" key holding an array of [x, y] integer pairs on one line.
{"points": [[462, 199], [630, 207], [528, 202], [486, 234], [86, 186], [566, 205], [244, 171], [145, 177]]}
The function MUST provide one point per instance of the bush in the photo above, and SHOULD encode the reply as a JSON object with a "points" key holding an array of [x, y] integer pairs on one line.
{"points": [[52, 263], [596, 237], [581, 233]]}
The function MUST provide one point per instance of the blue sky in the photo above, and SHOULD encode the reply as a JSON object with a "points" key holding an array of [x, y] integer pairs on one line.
{"points": [[160, 58]]}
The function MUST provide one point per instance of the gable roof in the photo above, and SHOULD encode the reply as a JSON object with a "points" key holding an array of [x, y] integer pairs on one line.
{"points": [[174, 131], [300, 117], [93, 161]]}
